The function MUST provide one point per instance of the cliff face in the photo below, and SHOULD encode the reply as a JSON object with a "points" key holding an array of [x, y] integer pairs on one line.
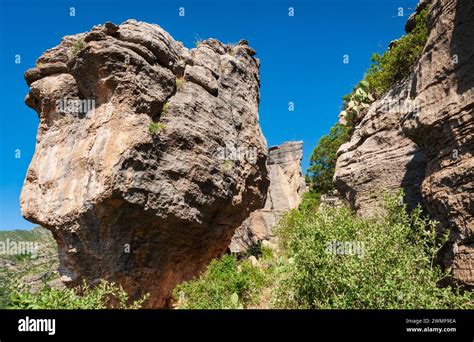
{"points": [[419, 137], [286, 187], [131, 171]]}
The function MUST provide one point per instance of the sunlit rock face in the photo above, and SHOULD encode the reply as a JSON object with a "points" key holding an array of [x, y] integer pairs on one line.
{"points": [[286, 188], [420, 137], [128, 171]]}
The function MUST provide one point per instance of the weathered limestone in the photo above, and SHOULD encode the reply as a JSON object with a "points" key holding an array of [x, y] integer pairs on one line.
{"points": [[145, 205], [420, 137], [286, 187]]}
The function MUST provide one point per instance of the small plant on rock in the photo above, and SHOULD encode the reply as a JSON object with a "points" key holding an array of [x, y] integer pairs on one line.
{"points": [[165, 109], [155, 127], [78, 46], [226, 166], [180, 82], [356, 103]]}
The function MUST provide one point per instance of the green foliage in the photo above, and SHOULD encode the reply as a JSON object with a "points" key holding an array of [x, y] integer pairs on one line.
{"points": [[23, 257], [393, 66], [155, 127], [356, 102], [225, 284], [27, 266], [309, 201], [104, 295], [78, 46], [226, 166], [254, 249], [323, 159], [165, 109], [394, 271], [396, 64], [180, 81]]}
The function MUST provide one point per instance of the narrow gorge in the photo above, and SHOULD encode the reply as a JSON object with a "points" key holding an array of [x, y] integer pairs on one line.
{"points": [[150, 165]]}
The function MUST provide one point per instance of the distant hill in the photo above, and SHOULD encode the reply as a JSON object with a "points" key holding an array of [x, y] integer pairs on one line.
{"points": [[30, 269]]}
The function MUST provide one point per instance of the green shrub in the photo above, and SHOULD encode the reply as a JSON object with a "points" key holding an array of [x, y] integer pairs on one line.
{"points": [[309, 201], [323, 160], [78, 46], [396, 64], [104, 295], [394, 269], [356, 103], [180, 81], [155, 127], [225, 284], [165, 109]]}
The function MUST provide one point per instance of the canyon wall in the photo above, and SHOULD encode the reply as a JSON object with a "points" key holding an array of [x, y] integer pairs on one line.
{"points": [[286, 188], [131, 172], [420, 137]]}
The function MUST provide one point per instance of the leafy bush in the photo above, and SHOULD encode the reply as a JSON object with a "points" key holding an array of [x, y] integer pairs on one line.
{"points": [[395, 64], [323, 160], [225, 284], [394, 269], [104, 295], [309, 201]]}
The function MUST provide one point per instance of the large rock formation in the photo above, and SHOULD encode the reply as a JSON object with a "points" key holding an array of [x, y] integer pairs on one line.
{"points": [[128, 172], [286, 187], [380, 157], [420, 137]]}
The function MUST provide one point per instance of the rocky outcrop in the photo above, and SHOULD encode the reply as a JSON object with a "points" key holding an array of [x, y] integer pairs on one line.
{"points": [[380, 157], [128, 172], [443, 84], [419, 137], [286, 187]]}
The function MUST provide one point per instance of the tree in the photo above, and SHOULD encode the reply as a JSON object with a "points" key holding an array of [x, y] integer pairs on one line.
{"points": [[323, 159]]}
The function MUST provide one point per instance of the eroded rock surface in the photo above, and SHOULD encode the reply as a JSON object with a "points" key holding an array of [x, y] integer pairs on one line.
{"points": [[380, 157], [286, 187], [126, 172], [443, 83], [420, 137]]}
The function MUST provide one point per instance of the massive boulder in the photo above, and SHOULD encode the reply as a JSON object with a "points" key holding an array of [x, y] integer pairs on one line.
{"points": [[128, 172], [420, 137], [286, 187]]}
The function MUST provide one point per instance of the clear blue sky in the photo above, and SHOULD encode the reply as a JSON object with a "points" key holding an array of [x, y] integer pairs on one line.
{"points": [[301, 60]]}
